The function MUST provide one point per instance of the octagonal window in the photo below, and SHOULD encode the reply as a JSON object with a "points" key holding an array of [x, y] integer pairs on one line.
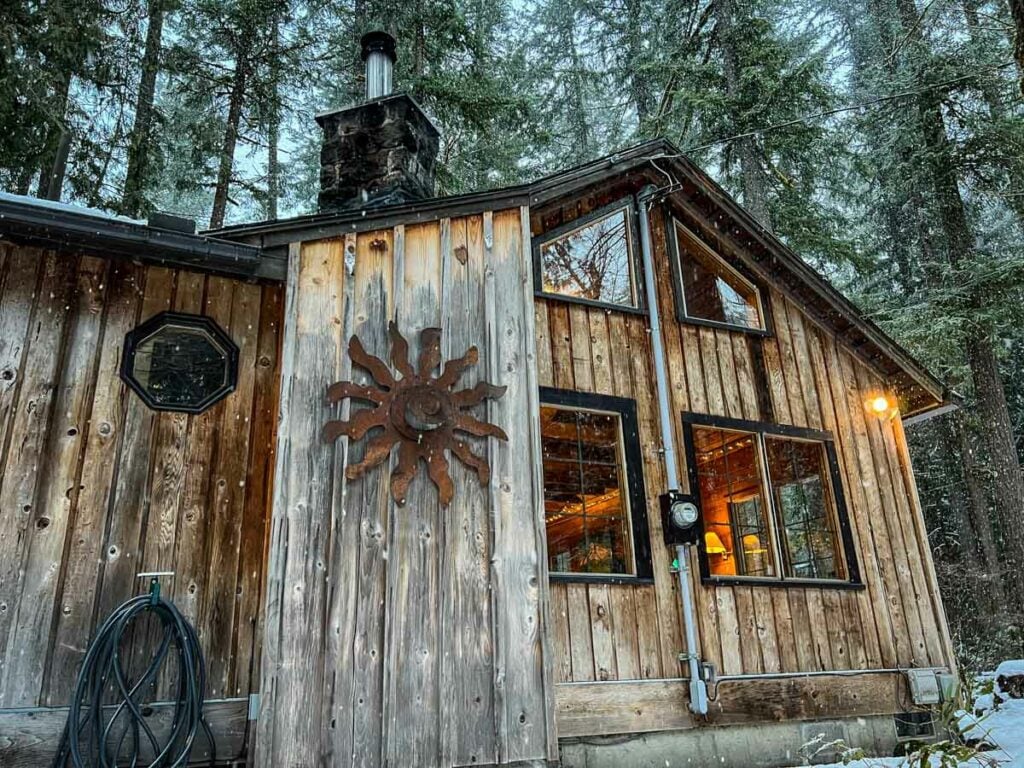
{"points": [[179, 362]]}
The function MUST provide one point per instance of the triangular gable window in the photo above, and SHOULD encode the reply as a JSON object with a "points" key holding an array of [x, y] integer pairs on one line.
{"points": [[712, 290]]}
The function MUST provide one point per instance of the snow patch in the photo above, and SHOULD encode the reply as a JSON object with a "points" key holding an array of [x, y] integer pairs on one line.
{"points": [[53, 205]]}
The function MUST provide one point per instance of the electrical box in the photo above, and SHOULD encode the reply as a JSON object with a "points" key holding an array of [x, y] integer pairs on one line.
{"points": [[680, 518], [924, 686]]}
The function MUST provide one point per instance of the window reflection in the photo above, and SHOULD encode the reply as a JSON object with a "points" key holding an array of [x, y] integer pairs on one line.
{"points": [[712, 290], [592, 262], [584, 493], [797, 470]]}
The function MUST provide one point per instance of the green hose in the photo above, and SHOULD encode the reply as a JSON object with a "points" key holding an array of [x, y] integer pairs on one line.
{"points": [[93, 740]]}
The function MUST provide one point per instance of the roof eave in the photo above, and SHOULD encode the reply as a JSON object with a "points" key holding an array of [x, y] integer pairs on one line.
{"points": [[26, 223]]}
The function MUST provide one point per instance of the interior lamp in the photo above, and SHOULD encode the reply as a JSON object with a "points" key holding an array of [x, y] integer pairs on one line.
{"points": [[713, 544], [752, 544]]}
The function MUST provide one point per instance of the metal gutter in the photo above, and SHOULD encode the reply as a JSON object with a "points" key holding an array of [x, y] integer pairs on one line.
{"points": [[31, 222], [948, 407]]}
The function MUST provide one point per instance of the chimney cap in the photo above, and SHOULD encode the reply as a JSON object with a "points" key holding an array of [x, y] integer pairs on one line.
{"points": [[378, 40]]}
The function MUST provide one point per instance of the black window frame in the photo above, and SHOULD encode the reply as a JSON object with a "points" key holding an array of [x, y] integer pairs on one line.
{"points": [[636, 494], [672, 220], [147, 329], [628, 203], [759, 428]]}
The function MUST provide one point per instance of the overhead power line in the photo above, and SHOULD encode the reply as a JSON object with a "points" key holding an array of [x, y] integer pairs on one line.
{"points": [[847, 108]]}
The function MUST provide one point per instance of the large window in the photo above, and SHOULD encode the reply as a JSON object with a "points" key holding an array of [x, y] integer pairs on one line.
{"points": [[771, 501], [592, 260], [712, 291], [593, 507]]}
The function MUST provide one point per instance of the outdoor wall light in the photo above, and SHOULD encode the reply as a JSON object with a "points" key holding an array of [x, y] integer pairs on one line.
{"points": [[882, 405]]}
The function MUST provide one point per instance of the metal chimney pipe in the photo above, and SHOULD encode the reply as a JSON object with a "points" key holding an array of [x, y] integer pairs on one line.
{"points": [[379, 55]]}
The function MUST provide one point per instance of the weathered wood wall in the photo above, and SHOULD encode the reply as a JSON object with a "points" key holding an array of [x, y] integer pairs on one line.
{"points": [[629, 632], [95, 487], [412, 635]]}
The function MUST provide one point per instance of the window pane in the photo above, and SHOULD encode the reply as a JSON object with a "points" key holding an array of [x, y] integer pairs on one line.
{"points": [[797, 470], [711, 289], [180, 366], [585, 505], [592, 262], [600, 432], [736, 536]]}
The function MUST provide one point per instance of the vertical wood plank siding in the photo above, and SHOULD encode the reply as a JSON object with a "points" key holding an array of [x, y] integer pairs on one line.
{"points": [[408, 634], [95, 487], [623, 632]]}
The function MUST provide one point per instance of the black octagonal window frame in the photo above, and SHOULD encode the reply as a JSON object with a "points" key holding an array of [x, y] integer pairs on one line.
{"points": [[134, 338]]}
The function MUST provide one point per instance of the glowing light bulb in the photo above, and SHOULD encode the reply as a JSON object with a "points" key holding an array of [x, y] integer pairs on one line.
{"points": [[880, 405]]}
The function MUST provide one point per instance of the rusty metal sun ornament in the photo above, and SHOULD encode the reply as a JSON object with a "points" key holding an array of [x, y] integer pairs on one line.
{"points": [[418, 412]]}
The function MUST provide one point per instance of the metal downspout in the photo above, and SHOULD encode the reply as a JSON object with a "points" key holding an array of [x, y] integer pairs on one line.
{"points": [[698, 688]]}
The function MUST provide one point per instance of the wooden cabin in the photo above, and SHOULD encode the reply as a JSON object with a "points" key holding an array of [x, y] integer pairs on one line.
{"points": [[475, 572]]}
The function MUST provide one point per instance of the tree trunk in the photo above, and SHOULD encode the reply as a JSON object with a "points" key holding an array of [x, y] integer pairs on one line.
{"points": [[274, 130], [581, 125], [1017, 11], [55, 179], [1001, 452], [982, 541], [639, 83], [996, 109], [133, 201], [996, 431], [227, 151], [53, 163], [752, 173]]}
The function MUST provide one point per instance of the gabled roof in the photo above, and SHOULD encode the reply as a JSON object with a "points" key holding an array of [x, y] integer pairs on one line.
{"points": [[683, 181], [259, 250]]}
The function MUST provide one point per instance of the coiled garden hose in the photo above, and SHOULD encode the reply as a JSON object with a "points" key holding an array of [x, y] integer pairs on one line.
{"points": [[107, 710]]}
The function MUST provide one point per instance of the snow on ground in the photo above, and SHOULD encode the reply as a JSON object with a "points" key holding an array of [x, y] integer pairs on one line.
{"points": [[1008, 668], [1000, 725]]}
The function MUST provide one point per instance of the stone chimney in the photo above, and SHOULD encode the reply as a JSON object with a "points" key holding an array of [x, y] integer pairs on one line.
{"points": [[380, 152]]}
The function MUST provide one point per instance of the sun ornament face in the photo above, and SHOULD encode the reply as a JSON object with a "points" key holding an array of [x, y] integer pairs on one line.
{"points": [[418, 412]]}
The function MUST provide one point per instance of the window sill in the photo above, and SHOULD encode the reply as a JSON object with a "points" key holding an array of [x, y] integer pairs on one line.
{"points": [[747, 581], [597, 578], [608, 307], [725, 326]]}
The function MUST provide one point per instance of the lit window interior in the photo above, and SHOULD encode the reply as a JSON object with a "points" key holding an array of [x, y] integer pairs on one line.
{"points": [[736, 534], [585, 495]]}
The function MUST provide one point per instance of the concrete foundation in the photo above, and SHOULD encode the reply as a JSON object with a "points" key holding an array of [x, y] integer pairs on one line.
{"points": [[763, 745]]}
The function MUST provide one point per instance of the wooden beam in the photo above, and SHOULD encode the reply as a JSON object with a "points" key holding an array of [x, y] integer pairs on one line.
{"points": [[30, 737], [592, 709]]}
